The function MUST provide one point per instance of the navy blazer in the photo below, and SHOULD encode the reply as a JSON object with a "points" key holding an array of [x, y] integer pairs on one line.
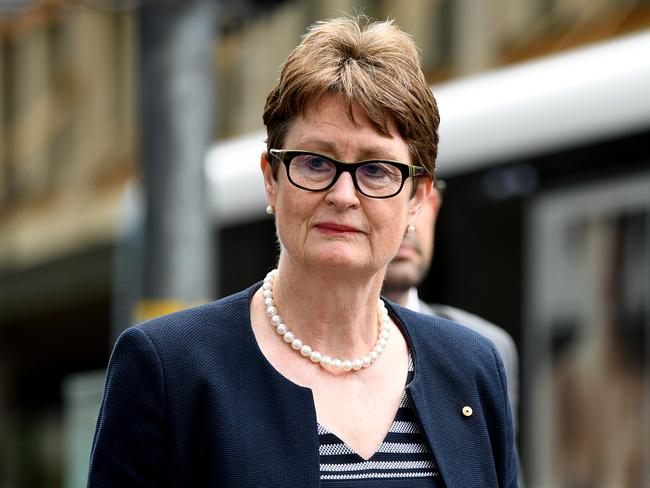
{"points": [[190, 400]]}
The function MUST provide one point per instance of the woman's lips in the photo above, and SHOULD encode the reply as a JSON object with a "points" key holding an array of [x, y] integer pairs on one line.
{"points": [[333, 228]]}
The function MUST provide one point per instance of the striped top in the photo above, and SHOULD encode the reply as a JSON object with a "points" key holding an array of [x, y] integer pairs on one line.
{"points": [[402, 460]]}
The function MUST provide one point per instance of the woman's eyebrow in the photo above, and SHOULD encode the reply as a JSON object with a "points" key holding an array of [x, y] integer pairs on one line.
{"points": [[317, 145], [331, 148], [377, 152]]}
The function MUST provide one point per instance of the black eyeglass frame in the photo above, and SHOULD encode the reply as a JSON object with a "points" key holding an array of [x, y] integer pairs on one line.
{"points": [[407, 170]]}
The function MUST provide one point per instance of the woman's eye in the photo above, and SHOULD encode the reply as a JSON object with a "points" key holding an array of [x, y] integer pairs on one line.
{"points": [[374, 170], [317, 163]]}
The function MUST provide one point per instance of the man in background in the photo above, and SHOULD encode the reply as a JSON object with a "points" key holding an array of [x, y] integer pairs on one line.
{"points": [[408, 269]]}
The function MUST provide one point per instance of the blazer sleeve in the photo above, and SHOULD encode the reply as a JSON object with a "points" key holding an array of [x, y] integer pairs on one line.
{"points": [[130, 446]]}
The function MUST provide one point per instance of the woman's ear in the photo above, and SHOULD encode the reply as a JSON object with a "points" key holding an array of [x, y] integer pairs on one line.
{"points": [[422, 193], [270, 182]]}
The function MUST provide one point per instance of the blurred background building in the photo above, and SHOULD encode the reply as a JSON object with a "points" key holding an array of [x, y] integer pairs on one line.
{"points": [[545, 228]]}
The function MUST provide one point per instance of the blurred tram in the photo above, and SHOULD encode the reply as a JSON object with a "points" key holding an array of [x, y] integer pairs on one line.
{"points": [[544, 230]]}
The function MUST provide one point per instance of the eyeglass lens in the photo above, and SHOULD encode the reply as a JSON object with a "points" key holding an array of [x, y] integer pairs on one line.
{"points": [[374, 178]]}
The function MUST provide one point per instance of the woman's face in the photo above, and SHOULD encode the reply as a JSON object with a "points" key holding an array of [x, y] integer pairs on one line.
{"points": [[340, 228]]}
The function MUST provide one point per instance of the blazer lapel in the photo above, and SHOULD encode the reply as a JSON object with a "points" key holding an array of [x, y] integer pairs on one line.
{"points": [[452, 436], [440, 390]]}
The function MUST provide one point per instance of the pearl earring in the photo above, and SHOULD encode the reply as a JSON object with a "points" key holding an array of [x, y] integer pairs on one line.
{"points": [[270, 210], [410, 229]]}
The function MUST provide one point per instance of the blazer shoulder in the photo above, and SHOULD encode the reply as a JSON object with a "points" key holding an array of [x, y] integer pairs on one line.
{"points": [[209, 325], [498, 335], [231, 306], [438, 332], [445, 346]]}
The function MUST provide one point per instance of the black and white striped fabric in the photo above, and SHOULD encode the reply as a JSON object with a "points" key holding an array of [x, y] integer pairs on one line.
{"points": [[402, 460]]}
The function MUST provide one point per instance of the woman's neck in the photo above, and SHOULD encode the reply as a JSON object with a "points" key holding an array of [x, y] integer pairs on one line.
{"points": [[334, 313]]}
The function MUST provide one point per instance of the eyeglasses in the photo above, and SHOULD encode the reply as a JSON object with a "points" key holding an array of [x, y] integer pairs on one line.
{"points": [[373, 178]]}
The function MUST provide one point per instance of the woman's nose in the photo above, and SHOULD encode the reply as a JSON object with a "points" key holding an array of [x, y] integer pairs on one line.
{"points": [[343, 193]]}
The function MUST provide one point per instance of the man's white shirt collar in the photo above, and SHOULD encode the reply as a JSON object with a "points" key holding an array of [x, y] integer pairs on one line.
{"points": [[413, 301]]}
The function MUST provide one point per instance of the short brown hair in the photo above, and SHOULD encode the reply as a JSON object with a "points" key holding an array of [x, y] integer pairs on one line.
{"points": [[372, 64]]}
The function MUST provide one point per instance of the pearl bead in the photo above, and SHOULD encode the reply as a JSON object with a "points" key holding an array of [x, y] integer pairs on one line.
{"points": [[365, 362], [384, 334], [382, 342], [267, 294], [281, 329], [337, 364], [271, 311], [357, 364], [373, 355], [267, 286], [326, 361], [347, 365], [305, 350], [296, 344], [289, 337], [268, 302], [276, 320], [315, 357]]}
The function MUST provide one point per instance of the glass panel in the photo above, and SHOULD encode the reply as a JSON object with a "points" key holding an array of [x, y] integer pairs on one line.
{"points": [[586, 337]]}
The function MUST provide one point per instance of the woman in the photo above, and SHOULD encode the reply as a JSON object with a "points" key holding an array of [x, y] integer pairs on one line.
{"points": [[309, 379]]}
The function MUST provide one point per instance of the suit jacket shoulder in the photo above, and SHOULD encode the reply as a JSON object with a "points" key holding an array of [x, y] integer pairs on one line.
{"points": [[501, 339]]}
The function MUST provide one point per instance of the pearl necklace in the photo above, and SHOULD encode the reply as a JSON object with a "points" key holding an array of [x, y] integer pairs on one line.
{"points": [[314, 356]]}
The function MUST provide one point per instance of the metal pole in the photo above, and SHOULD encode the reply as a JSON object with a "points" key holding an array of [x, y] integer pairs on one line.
{"points": [[177, 83]]}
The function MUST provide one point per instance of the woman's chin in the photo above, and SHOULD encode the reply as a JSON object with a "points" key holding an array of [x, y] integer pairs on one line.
{"points": [[338, 257]]}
